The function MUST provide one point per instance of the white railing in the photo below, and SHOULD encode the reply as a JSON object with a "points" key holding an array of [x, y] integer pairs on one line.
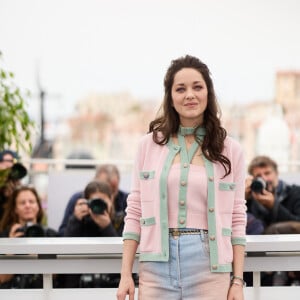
{"points": [[95, 255]]}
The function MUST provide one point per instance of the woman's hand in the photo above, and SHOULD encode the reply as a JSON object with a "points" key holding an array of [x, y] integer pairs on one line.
{"points": [[126, 287], [235, 292], [14, 231]]}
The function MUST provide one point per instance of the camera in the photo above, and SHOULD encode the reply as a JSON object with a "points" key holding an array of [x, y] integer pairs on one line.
{"points": [[17, 171], [97, 206], [258, 185], [32, 230]]}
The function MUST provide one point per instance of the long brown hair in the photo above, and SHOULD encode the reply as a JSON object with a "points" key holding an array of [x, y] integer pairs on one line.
{"points": [[167, 121], [10, 217]]}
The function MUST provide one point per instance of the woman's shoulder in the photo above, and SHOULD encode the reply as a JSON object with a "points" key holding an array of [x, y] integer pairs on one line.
{"points": [[148, 139], [232, 143]]}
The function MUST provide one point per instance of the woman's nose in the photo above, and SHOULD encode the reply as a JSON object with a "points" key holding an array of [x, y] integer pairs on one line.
{"points": [[190, 94]]}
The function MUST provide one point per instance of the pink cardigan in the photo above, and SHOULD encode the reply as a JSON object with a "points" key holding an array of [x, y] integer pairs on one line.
{"points": [[147, 211]]}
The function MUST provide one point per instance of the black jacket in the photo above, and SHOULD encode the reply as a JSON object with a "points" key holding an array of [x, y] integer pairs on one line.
{"points": [[87, 228], [286, 206]]}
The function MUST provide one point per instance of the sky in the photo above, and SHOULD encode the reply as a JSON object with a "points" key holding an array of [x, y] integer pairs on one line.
{"points": [[108, 46]]}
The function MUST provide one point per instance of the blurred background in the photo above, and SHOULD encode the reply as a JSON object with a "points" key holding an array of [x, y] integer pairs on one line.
{"points": [[95, 68]]}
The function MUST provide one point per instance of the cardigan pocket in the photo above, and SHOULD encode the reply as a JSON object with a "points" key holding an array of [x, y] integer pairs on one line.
{"points": [[226, 241], [226, 231], [147, 234], [147, 221], [225, 197], [145, 175], [227, 186], [147, 182]]}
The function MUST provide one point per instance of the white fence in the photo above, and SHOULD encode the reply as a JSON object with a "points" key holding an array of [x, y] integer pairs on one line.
{"points": [[93, 255]]}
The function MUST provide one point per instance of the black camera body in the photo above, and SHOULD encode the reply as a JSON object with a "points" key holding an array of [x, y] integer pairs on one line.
{"points": [[258, 185], [97, 206], [32, 230]]}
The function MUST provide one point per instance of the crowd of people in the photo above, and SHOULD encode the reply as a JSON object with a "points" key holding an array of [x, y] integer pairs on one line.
{"points": [[273, 207], [190, 197], [96, 211]]}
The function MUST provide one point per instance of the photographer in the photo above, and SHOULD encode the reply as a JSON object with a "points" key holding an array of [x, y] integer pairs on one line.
{"points": [[92, 217], [277, 205], [273, 201], [22, 218], [110, 174], [89, 219], [11, 174]]}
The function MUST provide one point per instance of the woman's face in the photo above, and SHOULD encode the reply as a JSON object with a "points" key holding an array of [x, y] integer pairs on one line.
{"points": [[189, 95], [27, 207]]}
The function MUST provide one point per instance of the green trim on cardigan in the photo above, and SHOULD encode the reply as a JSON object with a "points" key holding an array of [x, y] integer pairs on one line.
{"points": [[147, 221], [238, 241], [163, 193], [211, 216], [185, 160], [131, 236]]}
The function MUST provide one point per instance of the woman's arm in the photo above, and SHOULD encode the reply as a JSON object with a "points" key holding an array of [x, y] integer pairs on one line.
{"points": [[237, 284], [126, 286]]}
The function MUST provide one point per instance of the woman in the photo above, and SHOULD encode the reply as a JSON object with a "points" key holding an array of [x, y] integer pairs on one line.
{"points": [[186, 210], [23, 216]]}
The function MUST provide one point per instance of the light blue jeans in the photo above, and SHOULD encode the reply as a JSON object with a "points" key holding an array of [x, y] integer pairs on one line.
{"points": [[186, 276]]}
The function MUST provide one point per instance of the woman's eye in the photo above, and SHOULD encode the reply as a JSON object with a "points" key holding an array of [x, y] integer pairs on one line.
{"points": [[198, 87], [180, 90]]}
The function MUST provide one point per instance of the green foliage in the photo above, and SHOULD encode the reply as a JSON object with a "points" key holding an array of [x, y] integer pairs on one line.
{"points": [[15, 124]]}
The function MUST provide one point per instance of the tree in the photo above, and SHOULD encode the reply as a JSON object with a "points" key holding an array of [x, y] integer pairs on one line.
{"points": [[15, 124]]}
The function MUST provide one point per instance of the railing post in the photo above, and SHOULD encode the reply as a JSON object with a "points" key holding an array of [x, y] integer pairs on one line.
{"points": [[256, 279], [47, 285]]}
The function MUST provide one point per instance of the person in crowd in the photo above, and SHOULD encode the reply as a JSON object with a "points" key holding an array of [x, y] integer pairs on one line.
{"points": [[23, 218], [270, 199], [92, 217], [10, 178], [8, 158], [186, 208], [274, 203], [91, 220], [110, 174]]}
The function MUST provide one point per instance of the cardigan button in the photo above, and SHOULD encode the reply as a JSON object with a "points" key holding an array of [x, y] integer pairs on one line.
{"points": [[211, 209], [182, 202], [231, 186], [146, 175], [183, 183], [214, 267], [212, 237], [210, 178], [185, 165], [182, 221]]}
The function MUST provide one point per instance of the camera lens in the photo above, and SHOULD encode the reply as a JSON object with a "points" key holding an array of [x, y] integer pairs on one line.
{"points": [[258, 185], [97, 206], [34, 231]]}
